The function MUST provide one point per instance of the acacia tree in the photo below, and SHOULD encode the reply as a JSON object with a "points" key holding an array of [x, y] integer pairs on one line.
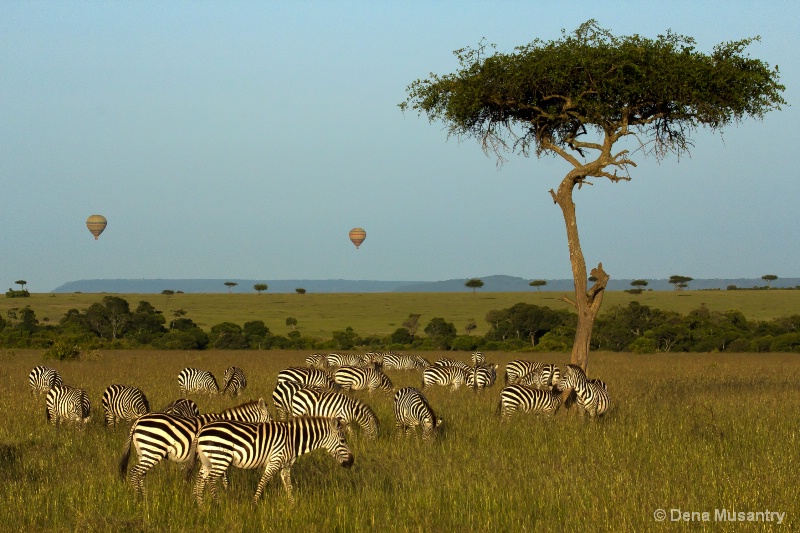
{"points": [[473, 284], [578, 96], [260, 287], [769, 278], [230, 285]]}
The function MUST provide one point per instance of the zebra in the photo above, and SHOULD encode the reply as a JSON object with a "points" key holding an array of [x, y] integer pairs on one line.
{"points": [[273, 445], [194, 380], [234, 380], [43, 378], [158, 435], [307, 402], [283, 395], [591, 397], [411, 409], [359, 378], [317, 360], [544, 378], [452, 362], [403, 361], [519, 367], [124, 402], [182, 407], [444, 375], [67, 403], [482, 376], [527, 399], [478, 359], [600, 383], [349, 359], [308, 376]]}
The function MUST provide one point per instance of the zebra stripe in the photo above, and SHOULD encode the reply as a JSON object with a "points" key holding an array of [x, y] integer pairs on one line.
{"points": [[482, 377], [591, 397], [444, 375], [401, 361], [348, 359], [234, 380], [544, 378], [359, 378], [518, 368], [313, 377], [124, 402], [307, 402], [317, 360], [451, 362], [67, 403], [194, 380], [527, 399], [182, 407], [411, 409], [43, 378], [478, 359], [283, 396], [273, 445], [155, 436]]}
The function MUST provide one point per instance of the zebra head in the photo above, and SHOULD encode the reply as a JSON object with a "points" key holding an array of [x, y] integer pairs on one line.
{"points": [[386, 384], [430, 426], [335, 443]]}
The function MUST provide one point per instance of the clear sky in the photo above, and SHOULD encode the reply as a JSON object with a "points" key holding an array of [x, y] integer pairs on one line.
{"points": [[243, 140]]}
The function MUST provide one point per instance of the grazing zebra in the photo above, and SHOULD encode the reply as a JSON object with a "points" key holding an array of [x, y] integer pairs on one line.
{"points": [[194, 380], [527, 399], [43, 378], [360, 378], [283, 396], [182, 407], [67, 403], [482, 376], [348, 359], [402, 361], [444, 375], [478, 359], [307, 402], [452, 362], [123, 402], [600, 383], [235, 381], [273, 445], [317, 360], [544, 378], [518, 368], [411, 409], [591, 397], [158, 435], [313, 377]]}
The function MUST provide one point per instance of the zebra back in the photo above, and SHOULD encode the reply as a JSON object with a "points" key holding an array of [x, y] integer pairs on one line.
{"points": [[545, 377], [308, 376], [444, 375], [317, 360], [235, 381], [122, 401], [362, 378], [517, 368], [444, 361], [521, 397], [478, 359], [43, 378], [482, 376]]}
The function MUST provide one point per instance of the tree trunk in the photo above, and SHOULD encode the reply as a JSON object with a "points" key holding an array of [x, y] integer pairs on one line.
{"points": [[587, 301]]}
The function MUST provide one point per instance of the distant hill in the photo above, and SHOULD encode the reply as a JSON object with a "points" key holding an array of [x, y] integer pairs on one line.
{"points": [[496, 283]]}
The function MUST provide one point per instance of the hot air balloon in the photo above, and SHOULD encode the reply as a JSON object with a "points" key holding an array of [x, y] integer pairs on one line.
{"points": [[96, 224], [357, 235]]}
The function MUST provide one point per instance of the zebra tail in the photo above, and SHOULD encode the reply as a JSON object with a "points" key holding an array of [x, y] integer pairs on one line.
{"points": [[126, 454], [499, 407], [192, 458]]}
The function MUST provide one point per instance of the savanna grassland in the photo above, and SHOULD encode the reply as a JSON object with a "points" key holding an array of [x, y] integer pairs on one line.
{"points": [[318, 315], [695, 432]]}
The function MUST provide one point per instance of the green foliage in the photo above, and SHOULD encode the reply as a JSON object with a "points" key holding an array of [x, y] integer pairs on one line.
{"points": [[227, 336], [300, 290], [260, 287], [680, 282], [62, 351], [401, 336], [345, 340], [524, 322], [440, 333], [11, 293], [473, 284]]}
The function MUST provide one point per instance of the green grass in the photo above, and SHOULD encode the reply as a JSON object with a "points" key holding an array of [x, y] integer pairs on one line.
{"points": [[318, 315], [697, 432]]}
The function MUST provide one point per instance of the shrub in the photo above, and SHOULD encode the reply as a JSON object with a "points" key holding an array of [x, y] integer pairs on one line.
{"points": [[62, 351], [643, 345]]}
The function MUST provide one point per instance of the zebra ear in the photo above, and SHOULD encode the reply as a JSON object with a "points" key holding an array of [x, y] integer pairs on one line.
{"points": [[262, 404], [438, 422]]}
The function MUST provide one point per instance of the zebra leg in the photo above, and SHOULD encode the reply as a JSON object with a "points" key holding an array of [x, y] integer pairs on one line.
{"points": [[399, 429], [272, 467], [200, 485], [286, 477]]}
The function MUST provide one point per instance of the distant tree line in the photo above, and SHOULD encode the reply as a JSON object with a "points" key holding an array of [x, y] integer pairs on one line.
{"points": [[113, 324]]}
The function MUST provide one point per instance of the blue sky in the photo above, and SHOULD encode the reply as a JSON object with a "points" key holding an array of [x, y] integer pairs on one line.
{"points": [[243, 140]]}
